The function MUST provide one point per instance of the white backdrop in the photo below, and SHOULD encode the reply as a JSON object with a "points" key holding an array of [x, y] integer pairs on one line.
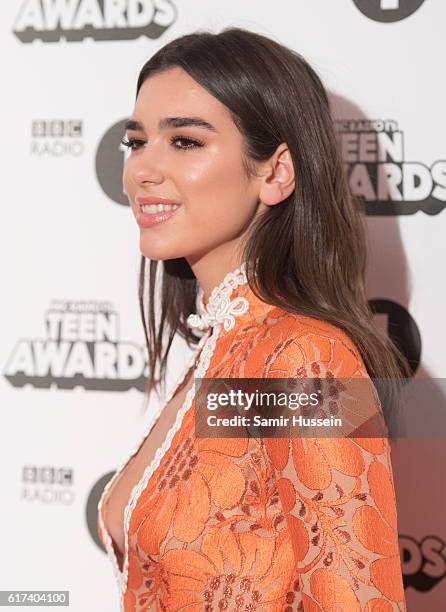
{"points": [[71, 404]]}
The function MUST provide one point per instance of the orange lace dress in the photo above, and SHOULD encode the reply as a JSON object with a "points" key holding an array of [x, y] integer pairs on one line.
{"points": [[242, 524]]}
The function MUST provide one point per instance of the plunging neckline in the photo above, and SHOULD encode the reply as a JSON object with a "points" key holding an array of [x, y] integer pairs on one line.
{"points": [[201, 358], [217, 315], [121, 472]]}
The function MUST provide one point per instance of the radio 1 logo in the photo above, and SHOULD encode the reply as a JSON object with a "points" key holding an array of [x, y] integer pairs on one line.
{"points": [[388, 11], [74, 20], [82, 348], [381, 176]]}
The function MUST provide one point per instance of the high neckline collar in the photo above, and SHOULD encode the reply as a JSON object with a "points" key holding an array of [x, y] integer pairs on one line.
{"points": [[222, 307]]}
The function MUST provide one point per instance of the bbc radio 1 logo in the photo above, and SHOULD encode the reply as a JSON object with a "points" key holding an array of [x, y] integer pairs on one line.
{"points": [[47, 484], [388, 11], [56, 138], [75, 20], [381, 176], [82, 348]]}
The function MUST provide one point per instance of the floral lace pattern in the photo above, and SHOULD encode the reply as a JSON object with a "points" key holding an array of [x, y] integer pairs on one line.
{"points": [[248, 524], [122, 576]]}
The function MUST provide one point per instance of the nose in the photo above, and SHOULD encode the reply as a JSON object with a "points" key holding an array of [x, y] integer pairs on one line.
{"points": [[144, 174], [144, 168]]}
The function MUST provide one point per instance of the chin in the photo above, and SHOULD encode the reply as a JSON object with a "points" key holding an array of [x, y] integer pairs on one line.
{"points": [[151, 252]]}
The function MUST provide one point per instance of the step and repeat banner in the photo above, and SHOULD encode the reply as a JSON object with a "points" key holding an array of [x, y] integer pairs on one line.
{"points": [[73, 352]]}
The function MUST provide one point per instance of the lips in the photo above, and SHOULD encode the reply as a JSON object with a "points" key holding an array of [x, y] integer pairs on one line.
{"points": [[146, 219]]}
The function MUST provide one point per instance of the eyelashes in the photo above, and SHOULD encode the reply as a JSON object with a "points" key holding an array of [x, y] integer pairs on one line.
{"points": [[191, 143], [131, 143]]}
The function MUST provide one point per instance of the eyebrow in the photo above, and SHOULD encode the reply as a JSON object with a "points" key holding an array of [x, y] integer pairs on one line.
{"points": [[172, 122]]}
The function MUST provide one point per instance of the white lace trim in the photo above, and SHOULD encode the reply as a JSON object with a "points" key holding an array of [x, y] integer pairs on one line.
{"points": [[203, 364], [121, 577], [220, 308]]}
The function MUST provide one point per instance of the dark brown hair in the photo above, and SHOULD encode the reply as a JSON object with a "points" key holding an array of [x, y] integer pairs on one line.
{"points": [[317, 234]]}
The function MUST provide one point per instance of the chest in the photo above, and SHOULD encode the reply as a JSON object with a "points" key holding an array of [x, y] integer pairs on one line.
{"points": [[117, 497]]}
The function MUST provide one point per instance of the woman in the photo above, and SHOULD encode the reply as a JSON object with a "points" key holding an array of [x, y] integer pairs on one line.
{"points": [[236, 181]]}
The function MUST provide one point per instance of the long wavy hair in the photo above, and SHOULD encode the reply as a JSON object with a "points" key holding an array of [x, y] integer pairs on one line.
{"points": [[317, 234]]}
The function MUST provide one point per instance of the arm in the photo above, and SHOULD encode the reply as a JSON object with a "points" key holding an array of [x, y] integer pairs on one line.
{"points": [[338, 498]]}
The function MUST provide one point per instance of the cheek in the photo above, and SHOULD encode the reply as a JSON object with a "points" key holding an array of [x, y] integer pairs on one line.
{"points": [[217, 189]]}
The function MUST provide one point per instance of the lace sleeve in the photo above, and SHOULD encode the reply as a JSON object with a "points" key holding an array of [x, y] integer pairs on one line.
{"points": [[338, 499]]}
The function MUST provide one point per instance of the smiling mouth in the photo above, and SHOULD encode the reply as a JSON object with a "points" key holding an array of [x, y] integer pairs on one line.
{"points": [[149, 215], [151, 209]]}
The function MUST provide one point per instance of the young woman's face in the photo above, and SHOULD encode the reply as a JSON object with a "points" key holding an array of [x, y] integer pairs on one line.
{"points": [[199, 167]]}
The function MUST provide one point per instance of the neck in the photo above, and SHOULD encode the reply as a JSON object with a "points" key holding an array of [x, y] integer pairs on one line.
{"points": [[211, 269]]}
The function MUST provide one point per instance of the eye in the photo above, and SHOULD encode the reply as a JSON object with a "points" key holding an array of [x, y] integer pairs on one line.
{"points": [[188, 143], [132, 143]]}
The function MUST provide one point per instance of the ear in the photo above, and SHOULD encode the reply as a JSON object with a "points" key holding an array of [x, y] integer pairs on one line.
{"points": [[278, 177]]}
